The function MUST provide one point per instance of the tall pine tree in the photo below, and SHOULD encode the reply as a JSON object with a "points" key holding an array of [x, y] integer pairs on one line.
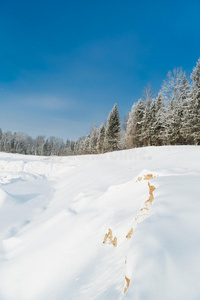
{"points": [[100, 141], [131, 128], [160, 123], [112, 130], [195, 104]]}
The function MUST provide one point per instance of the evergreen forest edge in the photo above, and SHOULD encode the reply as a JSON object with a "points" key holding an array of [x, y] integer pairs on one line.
{"points": [[170, 118]]}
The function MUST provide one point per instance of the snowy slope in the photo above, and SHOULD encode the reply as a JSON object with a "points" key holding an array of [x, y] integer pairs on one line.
{"points": [[55, 213]]}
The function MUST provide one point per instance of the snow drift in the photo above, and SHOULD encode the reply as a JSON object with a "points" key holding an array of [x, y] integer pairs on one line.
{"points": [[122, 225]]}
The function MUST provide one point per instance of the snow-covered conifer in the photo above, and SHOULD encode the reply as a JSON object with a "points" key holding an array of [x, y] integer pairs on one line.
{"points": [[160, 121], [93, 140], [148, 95], [131, 128], [101, 138], [152, 123], [68, 150], [182, 110], [112, 130], [86, 145], [139, 123], [46, 148], [194, 104]]}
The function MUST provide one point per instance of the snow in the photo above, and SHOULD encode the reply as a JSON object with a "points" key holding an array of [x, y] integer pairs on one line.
{"points": [[56, 211]]}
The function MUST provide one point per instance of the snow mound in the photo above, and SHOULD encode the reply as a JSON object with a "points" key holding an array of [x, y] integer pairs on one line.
{"points": [[122, 225], [3, 196]]}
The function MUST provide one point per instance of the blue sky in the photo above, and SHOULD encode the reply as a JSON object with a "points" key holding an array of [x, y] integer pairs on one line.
{"points": [[63, 64]]}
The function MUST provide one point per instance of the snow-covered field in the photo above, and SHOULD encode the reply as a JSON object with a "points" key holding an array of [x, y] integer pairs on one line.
{"points": [[55, 213]]}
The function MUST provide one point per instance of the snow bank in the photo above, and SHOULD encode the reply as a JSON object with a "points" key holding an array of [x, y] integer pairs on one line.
{"points": [[55, 214]]}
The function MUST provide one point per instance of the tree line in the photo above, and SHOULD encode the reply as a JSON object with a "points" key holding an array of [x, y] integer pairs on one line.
{"points": [[170, 118]]}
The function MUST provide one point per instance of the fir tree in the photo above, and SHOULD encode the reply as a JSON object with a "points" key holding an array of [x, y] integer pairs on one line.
{"points": [[46, 148], [160, 124], [68, 149], [194, 105], [86, 145], [139, 123], [131, 128], [152, 123], [171, 124], [147, 118], [101, 138], [112, 130], [93, 140], [52, 145], [182, 110]]}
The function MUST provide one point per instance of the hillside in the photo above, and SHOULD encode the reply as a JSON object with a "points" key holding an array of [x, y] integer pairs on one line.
{"points": [[121, 225]]}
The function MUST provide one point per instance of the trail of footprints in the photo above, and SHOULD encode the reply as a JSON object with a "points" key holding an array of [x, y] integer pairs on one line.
{"points": [[143, 214]]}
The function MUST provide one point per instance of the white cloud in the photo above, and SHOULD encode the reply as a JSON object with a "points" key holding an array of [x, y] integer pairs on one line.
{"points": [[47, 102]]}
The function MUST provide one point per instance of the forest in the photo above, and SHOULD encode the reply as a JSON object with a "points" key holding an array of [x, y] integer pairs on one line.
{"points": [[172, 117]]}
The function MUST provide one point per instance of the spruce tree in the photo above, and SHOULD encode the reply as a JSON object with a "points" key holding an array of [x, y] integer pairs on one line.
{"points": [[100, 141], [46, 148], [112, 130], [86, 145], [160, 124], [194, 104], [52, 145], [171, 123], [146, 124], [152, 123], [139, 123], [185, 117], [148, 96], [131, 128], [93, 140], [183, 109], [1, 140], [68, 150]]}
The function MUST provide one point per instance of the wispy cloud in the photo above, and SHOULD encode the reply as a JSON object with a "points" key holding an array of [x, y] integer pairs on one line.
{"points": [[38, 100], [47, 102]]}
